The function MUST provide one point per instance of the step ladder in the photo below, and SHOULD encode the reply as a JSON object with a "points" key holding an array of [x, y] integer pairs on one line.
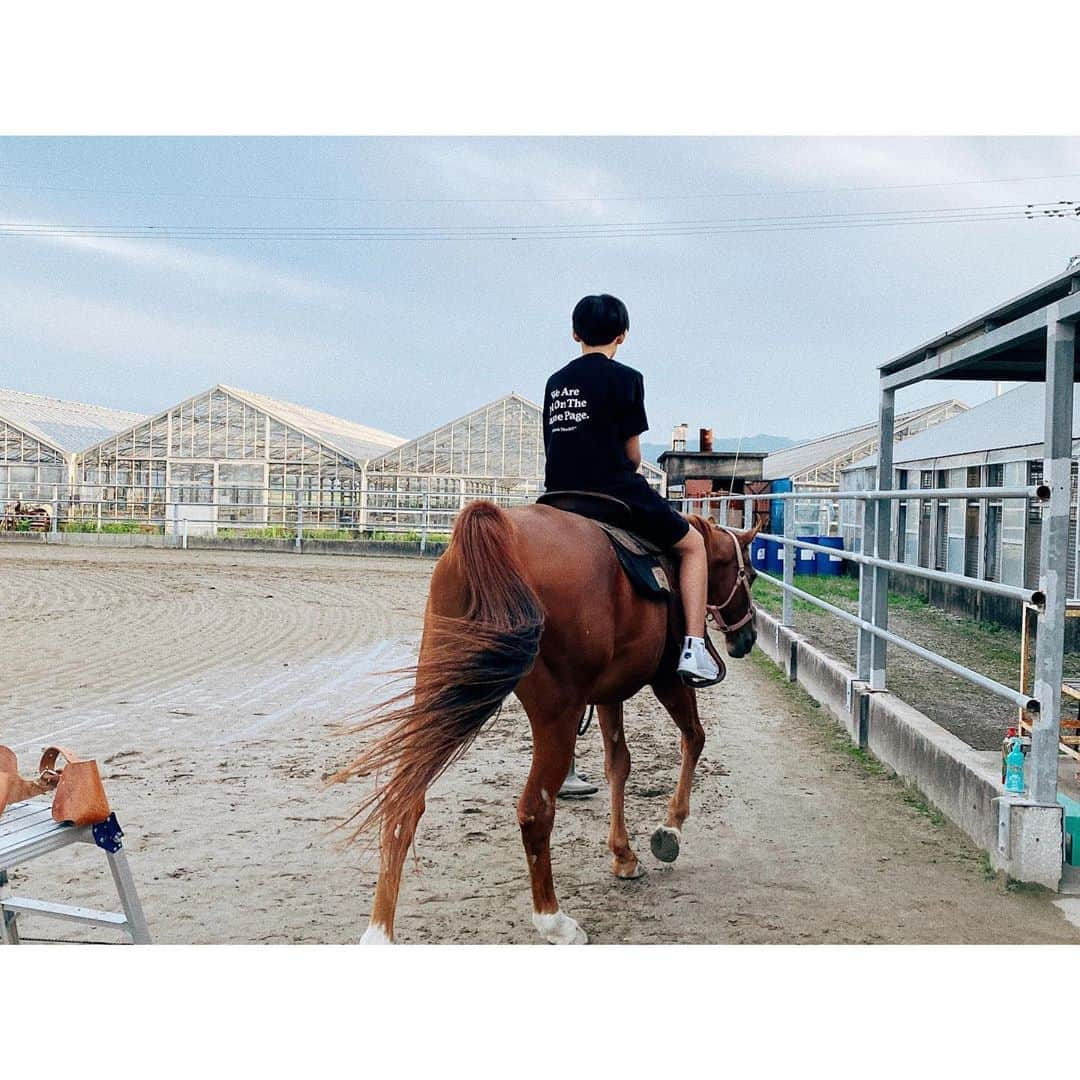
{"points": [[27, 832]]}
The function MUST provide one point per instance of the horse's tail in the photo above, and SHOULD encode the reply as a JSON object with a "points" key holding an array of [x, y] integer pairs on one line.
{"points": [[468, 665]]}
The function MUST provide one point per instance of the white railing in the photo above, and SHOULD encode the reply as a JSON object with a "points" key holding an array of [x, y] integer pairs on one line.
{"points": [[867, 620]]}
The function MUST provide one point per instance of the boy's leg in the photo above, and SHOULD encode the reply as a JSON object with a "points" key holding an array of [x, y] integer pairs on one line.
{"points": [[693, 581], [656, 519]]}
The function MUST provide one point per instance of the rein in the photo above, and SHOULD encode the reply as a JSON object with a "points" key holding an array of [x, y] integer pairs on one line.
{"points": [[715, 611]]}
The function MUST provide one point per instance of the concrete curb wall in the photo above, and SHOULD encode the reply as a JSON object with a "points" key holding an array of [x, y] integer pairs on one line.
{"points": [[98, 539], [315, 547], [964, 784], [209, 543]]}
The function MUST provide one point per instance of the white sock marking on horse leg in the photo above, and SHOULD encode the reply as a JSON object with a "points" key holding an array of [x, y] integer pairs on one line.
{"points": [[558, 929], [376, 934]]}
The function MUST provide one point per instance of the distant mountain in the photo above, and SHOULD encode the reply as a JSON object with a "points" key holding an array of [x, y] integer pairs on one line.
{"points": [[652, 451]]}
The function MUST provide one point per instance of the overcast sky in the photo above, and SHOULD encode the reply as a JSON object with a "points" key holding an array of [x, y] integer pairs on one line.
{"points": [[777, 332]]}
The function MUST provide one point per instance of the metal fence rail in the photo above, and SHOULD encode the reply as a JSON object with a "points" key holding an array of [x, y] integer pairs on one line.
{"points": [[294, 513], [1019, 699], [995, 588], [873, 571]]}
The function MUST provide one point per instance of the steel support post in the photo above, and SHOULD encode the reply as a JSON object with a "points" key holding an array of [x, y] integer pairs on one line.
{"points": [[1054, 559], [788, 614], [882, 537], [866, 589]]}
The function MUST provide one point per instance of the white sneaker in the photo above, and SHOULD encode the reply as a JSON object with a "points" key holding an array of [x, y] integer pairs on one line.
{"points": [[696, 666]]}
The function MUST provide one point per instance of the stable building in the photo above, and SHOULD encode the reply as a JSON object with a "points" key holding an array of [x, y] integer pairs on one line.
{"points": [[996, 444]]}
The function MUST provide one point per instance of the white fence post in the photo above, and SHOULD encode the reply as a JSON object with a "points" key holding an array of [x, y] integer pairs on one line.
{"points": [[788, 550], [1054, 559], [882, 538]]}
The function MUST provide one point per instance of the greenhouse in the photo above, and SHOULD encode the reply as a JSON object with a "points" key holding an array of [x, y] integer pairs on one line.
{"points": [[231, 458], [494, 452], [233, 462], [39, 437]]}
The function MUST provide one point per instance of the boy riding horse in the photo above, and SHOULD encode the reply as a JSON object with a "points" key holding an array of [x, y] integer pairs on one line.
{"points": [[594, 415]]}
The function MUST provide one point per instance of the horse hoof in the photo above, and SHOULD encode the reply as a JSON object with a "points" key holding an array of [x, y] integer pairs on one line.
{"points": [[559, 929], [375, 935], [629, 873], [665, 843]]}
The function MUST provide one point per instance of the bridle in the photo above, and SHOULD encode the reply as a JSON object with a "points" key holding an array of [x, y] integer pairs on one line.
{"points": [[742, 579]]}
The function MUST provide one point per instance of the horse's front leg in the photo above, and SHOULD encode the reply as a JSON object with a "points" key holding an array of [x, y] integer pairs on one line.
{"points": [[617, 768], [681, 702]]}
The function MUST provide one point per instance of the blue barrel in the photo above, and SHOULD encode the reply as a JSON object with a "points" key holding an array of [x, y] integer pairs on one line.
{"points": [[773, 555], [757, 554], [832, 565], [806, 561], [776, 507]]}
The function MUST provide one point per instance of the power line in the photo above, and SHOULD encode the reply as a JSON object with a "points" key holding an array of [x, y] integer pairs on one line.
{"points": [[356, 199], [695, 227]]}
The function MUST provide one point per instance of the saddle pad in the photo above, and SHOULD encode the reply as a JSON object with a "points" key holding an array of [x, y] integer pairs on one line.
{"points": [[641, 560]]}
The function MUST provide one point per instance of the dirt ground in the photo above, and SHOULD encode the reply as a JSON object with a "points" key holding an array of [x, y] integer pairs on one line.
{"points": [[972, 714], [209, 685]]}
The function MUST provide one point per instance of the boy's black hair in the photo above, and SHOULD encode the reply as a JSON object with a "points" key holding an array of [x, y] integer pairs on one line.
{"points": [[599, 320]]}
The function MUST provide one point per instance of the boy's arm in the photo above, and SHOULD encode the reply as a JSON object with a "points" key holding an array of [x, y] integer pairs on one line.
{"points": [[633, 422]]}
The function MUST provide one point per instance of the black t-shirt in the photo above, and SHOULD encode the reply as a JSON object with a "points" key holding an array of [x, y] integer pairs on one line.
{"points": [[591, 407]]}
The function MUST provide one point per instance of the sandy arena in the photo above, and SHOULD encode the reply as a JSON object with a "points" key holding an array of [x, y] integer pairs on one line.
{"points": [[209, 684]]}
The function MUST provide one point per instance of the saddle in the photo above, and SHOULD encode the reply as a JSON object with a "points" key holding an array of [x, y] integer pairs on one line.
{"points": [[648, 568], [78, 794]]}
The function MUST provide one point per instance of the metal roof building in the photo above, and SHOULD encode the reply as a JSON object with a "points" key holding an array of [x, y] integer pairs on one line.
{"points": [[39, 437], [816, 465], [992, 430], [819, 461], [998, 443]]}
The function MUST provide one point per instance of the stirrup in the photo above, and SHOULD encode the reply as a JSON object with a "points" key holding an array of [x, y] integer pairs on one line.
{"points": [[696, 682]]}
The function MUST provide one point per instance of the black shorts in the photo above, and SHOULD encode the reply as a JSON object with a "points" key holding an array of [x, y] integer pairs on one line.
{"points": [[651, 515]]}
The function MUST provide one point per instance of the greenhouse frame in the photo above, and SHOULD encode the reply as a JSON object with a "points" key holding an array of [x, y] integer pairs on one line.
{"points": [[494, 452], [39, 438], [229, 461], [231, 458]]}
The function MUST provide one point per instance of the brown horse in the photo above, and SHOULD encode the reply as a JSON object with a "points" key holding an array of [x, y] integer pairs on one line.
{"points": [[533, 601]]}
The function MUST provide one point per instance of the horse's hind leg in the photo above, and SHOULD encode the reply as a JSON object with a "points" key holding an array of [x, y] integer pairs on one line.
{"points": [[617, 768], [554, 731], [681, 702], [394, 845], [395, 839]]}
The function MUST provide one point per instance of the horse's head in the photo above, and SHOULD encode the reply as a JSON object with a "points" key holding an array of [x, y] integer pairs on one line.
{"points": [[730, 605]]}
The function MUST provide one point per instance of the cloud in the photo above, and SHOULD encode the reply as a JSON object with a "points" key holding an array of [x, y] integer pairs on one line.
{"points": [[469, 171], [219, 273], [88, 327]]}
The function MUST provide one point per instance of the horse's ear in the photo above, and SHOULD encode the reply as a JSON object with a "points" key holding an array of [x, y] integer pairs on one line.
{"points": [[747, 535], [699, 523]]}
